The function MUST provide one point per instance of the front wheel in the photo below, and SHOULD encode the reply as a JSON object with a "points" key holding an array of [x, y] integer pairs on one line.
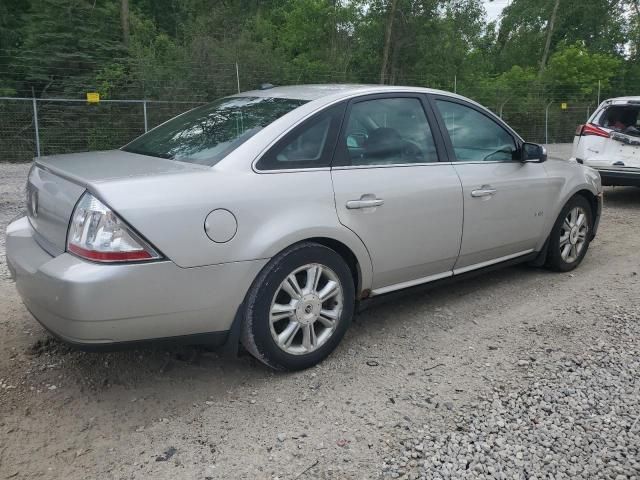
{"points": [[299, 307], [570, 237]]}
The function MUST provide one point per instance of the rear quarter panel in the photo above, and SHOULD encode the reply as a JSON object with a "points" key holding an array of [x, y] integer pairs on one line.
{"points": [[273, 211]]}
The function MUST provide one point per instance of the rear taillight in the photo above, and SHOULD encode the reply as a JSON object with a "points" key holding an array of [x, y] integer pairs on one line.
{"points": [[590, 129], [97, 234]]}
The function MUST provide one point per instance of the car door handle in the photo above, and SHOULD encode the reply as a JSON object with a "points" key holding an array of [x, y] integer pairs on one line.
{"points": [[364, 203], [484, 191]]}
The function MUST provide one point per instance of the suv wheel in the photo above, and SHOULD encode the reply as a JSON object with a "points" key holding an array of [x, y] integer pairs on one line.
{"points": [[299, 307]]}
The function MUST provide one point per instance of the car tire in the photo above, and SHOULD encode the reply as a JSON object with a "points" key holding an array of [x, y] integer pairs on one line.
{"points": [[570, 236], [283, 318]]}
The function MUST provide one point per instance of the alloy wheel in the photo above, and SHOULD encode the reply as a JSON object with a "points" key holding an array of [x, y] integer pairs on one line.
{"points": [[306, 309], [573, 234]]}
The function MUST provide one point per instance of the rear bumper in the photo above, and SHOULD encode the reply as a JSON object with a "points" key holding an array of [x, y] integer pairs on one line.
{"points": [[89, 304], [614, 175], [620, 176]]}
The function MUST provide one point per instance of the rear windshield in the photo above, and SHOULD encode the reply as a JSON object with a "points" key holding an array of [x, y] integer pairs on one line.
{"points": [[622, 118], [205, 135]]}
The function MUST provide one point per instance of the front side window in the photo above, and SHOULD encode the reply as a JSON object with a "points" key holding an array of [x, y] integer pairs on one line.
{"points": [[205, 135], [475, 137], [387, 131]]}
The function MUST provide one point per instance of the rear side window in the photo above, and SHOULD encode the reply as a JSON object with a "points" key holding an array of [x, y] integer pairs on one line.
{"points": [[474, 136], [207, 134], [386, 131], [310, 145]]}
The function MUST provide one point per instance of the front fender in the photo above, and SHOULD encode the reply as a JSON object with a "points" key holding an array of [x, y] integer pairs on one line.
{"points": [[566, 179]]}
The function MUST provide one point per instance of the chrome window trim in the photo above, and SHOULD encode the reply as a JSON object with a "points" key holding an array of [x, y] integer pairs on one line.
{"points": [[490, 162], [293, 170], [443, 95], [394, 165], [428, 164]]}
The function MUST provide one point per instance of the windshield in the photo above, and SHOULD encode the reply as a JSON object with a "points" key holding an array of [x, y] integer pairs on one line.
{"points": [[205, 135]]}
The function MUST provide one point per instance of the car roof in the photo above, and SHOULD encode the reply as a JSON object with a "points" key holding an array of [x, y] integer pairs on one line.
{"points": [[621, 101], [316, 92]]}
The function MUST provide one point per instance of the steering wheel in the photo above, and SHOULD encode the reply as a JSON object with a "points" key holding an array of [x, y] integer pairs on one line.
{"points": [[504, 150]]}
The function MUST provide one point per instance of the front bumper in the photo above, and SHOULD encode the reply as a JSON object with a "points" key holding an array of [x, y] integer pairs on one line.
{"points": [[91, 304], [598, 215]]}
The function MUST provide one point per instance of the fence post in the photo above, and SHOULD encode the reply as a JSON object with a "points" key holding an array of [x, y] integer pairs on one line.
{"points": [[238, 76], [144, 109], [502, 107], [546, 124], [35, 123]]}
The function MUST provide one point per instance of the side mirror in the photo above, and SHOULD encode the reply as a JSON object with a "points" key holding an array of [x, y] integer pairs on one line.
{"points": [[533, 153]]}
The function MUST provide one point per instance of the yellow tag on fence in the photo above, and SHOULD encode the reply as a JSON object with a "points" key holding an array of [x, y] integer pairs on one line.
{"points": [[564, 106], [93, 97]]}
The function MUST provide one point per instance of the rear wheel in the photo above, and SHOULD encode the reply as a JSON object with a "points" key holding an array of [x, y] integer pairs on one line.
{"points": [[299, 307], [570, 237]]}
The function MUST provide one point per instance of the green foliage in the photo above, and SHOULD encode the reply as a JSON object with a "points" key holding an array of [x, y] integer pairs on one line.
{"points": [[64, 41], [599, 24], [574, 72], [189, 50]]}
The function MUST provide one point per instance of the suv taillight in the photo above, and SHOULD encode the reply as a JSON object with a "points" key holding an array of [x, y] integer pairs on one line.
{"points": [[591, 129], [98, 234]]}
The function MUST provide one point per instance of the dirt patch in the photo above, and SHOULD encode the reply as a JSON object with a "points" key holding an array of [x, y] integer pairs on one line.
{"points": [[414, 367]]}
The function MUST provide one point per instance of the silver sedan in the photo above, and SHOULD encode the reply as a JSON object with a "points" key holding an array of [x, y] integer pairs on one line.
{"points": [[266, 218]]}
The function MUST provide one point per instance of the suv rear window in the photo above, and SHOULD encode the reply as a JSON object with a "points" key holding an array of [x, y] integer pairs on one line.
{"points": [[205, 135], [622, 118]]}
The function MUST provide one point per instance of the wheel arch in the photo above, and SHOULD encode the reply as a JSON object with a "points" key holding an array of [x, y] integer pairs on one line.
{"points": [[347, 255], [358, 263], [585, 191], [591, 198], [354, 254]]}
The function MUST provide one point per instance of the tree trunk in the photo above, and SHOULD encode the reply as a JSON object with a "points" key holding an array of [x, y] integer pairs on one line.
{"points": [[387, 40], [124, 19], [636, 7], [547, 46]]}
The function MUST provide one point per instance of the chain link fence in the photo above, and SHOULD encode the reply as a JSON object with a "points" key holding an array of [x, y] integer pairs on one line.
{"points": [[33, 127]]}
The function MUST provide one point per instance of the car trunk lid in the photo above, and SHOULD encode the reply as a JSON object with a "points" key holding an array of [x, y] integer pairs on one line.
{"points": [[56, 183], [50, 203]]}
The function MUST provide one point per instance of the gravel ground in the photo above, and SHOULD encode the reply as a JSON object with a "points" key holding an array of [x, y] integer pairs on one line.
{"points": [[12, 182], [517, 374]]}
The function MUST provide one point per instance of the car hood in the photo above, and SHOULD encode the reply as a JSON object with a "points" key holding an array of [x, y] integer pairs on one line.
{"points": [[97, 167]]}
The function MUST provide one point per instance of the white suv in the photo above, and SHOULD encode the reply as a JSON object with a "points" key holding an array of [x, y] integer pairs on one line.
{"points": [[610, 141]]}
